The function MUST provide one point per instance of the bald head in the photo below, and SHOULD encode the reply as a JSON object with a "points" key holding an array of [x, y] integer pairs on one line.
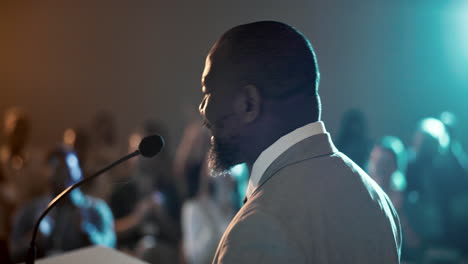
{"points": [[260, 82], [273, 56]]}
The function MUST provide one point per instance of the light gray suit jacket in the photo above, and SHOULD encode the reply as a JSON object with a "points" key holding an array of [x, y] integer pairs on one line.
{"points": [[313, 205]]}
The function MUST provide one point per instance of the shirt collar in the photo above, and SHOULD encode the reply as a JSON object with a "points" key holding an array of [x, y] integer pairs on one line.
{"points": [[269, 155]]}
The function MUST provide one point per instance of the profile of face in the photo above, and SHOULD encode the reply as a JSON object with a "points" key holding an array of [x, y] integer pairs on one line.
{"points": [[256, 77], [382, 165], [227, 114]]}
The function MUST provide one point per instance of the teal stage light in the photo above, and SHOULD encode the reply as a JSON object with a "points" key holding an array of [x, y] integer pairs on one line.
{"points": [[457, 37]]}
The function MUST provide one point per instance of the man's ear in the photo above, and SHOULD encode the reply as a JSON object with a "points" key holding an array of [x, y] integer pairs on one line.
{"points": [[249, 104]]}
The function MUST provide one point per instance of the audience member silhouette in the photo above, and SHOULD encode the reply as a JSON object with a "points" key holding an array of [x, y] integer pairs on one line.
{"points": [[353, 139], [455, 186], [6, 213], [387, 166], [210, 203], [429, 185], [103, 149], [20, 161], [77, 221], [146, 205]]}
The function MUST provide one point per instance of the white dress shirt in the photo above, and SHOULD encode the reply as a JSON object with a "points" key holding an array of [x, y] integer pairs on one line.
{"points": [[270, 154]]}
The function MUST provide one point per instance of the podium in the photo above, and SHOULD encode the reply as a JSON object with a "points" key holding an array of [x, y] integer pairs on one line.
{"points": [[95, 254]]}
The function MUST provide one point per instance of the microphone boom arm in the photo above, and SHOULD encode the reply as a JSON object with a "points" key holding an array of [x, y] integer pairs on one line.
{"points": [[32, 248]]}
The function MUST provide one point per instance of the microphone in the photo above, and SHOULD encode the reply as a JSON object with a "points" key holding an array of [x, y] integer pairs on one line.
{"points": [[151, 145], [148, 147]]}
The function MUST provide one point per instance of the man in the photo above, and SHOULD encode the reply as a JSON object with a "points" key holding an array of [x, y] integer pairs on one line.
{"points": [[306, 202]]}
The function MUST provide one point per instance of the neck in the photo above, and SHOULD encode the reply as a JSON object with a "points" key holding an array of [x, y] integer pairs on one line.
{"points": [[279, 117], [273, 131]]}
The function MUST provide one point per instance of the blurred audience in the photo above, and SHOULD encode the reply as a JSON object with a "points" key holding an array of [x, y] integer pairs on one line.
{"points": [[78, 139], [210, 203], [426, 175], [455, 186], [173, 211], [17, 128], [6, 212], [102, 150], [161, 171], [387, 166], [456, 150], [19, 178], [353, 139], [434, 191], [77, 221], [20, 161], [104, 147], [147, 205]]}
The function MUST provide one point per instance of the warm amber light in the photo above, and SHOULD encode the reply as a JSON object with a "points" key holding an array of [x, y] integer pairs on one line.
{"points": [[11, 116], [134, 141], [17, 163], [69, 137]]}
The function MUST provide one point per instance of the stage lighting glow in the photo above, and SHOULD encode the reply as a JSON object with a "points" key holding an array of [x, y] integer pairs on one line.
{"points": [[457, 37], [398, 181], [46, 226], [69, 137], [133, 141], [238, 170], [73, 165], [436, 129], [462, 19]]}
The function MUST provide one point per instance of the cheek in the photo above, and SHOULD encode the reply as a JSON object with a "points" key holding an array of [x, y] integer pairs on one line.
{"points": [[228, 127], [222, 116]]}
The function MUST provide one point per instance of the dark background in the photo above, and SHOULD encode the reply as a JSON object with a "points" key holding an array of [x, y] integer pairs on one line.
{"points": [[62, 61]]}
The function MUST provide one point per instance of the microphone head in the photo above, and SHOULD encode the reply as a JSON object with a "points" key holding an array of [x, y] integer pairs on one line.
{"points": [[151, 145]]}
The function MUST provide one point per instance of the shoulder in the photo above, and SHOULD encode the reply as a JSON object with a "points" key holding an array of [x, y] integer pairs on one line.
{"points": [[255, 236], [251, 220]]}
